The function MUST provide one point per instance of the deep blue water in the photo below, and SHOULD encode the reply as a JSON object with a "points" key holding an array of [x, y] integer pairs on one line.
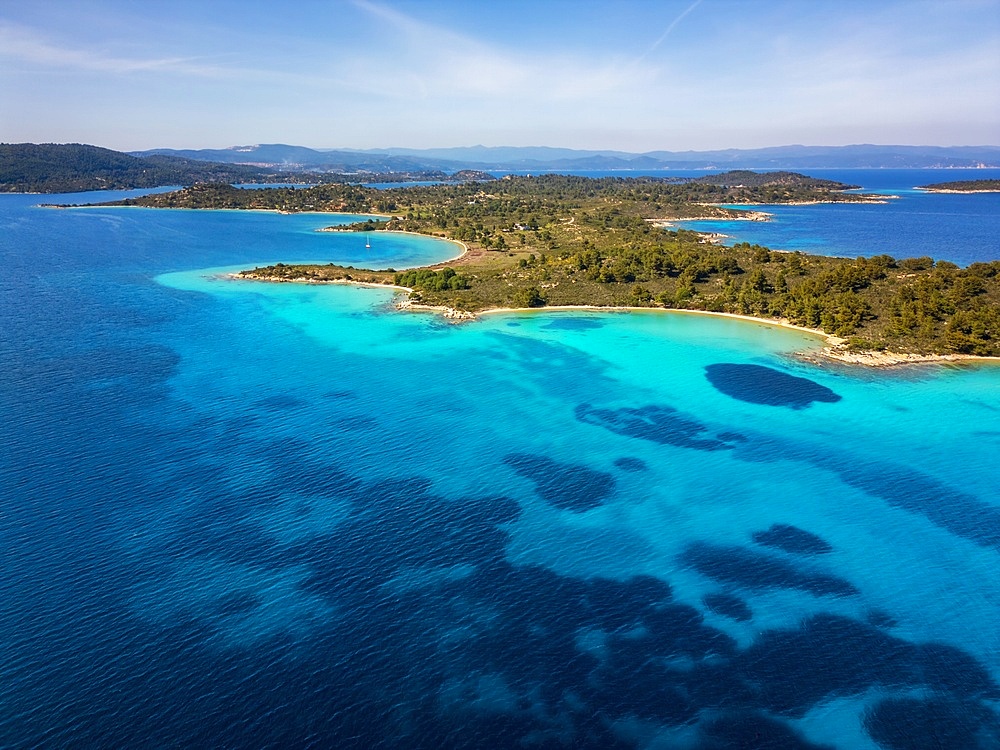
{"points": [[960, 228], [246, 515]]}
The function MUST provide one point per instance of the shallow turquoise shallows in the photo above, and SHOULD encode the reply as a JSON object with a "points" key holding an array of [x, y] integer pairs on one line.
{"points": [[241, 514]]}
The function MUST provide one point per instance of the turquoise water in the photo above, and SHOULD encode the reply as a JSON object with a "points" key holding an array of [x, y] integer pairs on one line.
{"points": [[238, 514]]}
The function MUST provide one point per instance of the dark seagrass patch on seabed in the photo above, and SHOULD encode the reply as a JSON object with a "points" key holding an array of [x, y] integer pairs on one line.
{"points": [[829, 655], [660, 424], [565, 486], [573, 324], [957, 512], [935, 722], [279, 402], [879, 619], [729, 606], [631, 464], [757, 384], [756, 571], [792, 539], [753, 730]]}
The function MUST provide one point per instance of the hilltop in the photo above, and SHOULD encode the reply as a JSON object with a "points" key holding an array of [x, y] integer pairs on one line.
{"points": [[72, 167]]}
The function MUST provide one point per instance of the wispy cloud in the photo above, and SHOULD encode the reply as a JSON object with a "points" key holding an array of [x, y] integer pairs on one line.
{"points": [[25, 46], [440, 60], [365, 72]]}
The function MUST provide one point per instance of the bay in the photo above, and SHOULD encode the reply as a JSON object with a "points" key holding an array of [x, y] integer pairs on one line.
{"points": [[959, 228]]}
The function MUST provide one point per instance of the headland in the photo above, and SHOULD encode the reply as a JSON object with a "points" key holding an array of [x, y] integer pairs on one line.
{"points": [[559, 241], [963, 186]]}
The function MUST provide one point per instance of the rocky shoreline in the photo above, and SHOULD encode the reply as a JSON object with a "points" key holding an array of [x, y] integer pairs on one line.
{"points": [[888, 359]]}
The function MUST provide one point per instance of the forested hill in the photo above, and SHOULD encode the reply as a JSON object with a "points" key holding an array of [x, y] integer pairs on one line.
{"points": [[747, 178], [964, 186], [71, 167], [516, 199]]}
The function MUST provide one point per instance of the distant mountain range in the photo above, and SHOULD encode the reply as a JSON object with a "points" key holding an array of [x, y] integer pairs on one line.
{"points": [[70, 167], [515, 158], [73, 167], [48, 167], [302, 159]]}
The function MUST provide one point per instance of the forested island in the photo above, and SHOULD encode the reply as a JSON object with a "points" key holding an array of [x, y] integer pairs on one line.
{"points": [[557, 240], [514, 200], [74, 167], [963, 186]]}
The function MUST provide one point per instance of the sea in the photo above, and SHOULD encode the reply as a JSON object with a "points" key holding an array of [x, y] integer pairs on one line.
{"points": [[236, 514]]}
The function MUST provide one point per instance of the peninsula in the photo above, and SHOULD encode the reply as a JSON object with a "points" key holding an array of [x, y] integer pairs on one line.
{"points": [[963, 186], [560, 241]]}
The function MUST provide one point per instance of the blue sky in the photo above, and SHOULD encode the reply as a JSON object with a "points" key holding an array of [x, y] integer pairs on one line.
{"points": [[634, 75]]}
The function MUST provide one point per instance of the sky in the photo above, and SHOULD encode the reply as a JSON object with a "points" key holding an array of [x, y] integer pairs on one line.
{"points": [[630, 75]]}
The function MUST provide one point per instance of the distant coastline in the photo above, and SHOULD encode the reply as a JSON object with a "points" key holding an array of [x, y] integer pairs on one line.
{"points": [[957, 192], [963, 186]]}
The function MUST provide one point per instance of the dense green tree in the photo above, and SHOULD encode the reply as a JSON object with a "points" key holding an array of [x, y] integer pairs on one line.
{"points": [[530, 296]]}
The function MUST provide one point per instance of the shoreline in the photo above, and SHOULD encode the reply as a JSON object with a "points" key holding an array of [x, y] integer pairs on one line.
{"points": [[832, 352], [881, 201], [278, 211], [749, 214], [670, 222], [956, 192], [460, 243]]}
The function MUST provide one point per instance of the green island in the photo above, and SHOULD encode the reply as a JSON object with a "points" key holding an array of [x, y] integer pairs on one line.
{"points": [[73, 167], [560, 241], [55, 168], [963, 186]]}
